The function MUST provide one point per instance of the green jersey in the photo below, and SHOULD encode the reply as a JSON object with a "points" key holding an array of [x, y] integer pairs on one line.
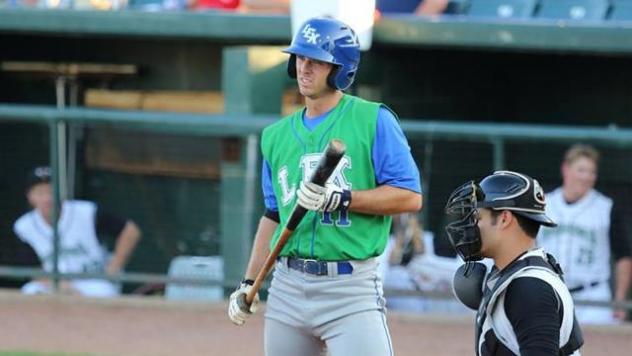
{"points": [[293, 152]]}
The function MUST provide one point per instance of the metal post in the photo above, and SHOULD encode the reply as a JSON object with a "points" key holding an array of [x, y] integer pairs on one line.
{"points": [[252, 146], [59, 168], [73, 137], [425, 180], [60, 91], [54, 157], [499, 154]]}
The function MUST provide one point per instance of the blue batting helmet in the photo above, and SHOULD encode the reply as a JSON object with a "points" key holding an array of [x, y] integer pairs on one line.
{"points": [[327, 40]]}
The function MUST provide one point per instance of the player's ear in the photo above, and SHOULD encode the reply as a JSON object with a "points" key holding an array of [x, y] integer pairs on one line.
{"points": [[505, 218]]}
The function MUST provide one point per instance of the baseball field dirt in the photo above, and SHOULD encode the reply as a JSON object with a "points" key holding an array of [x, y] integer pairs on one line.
{"points": [[149, 326]]}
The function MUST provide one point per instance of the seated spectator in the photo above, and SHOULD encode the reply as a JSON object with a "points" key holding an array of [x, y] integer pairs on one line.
{"points": [[407, 233], [266, 6], [215, 4], [591, 232], [159, 5], [409, 263], [417, 7], [82, 227]]}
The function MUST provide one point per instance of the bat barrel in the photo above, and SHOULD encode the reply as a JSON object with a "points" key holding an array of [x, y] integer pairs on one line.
{"points": [[333, 154]]}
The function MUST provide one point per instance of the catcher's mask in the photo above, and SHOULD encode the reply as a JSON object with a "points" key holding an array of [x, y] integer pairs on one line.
{"points": [[503, 190]]}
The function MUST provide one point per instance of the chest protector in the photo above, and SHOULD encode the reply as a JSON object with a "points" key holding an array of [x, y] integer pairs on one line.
{"points": [[491, 315]]}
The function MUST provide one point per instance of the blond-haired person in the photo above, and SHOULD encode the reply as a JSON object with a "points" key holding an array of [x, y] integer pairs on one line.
{"points": [[590, 233]]}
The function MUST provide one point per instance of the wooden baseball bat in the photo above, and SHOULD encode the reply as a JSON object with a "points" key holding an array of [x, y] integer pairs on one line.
{"points": [[333, 154]]}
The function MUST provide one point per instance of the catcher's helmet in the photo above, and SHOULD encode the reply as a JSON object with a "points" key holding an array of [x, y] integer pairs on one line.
{"points": [[523, 195], [327, 40], [503, 190]]}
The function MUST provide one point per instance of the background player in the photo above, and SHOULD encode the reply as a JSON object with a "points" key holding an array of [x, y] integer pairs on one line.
{"points": [[590, 229], [325, 288], [525, 309], [82, 227]]}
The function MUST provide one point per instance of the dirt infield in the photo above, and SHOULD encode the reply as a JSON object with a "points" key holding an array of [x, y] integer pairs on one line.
{"points": [[145, 326]]}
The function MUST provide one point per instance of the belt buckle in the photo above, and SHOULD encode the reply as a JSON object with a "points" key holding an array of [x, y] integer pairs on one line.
{"points": [[311, 267]]}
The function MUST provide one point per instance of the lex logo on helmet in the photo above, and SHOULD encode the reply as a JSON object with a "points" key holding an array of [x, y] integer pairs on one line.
{"points": [[351, 42], [310, 34]]}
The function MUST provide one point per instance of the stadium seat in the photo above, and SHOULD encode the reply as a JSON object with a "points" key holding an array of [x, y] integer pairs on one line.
{"points": [[621, 10], [195, 267], [156, 5], [503, 8], [573, 9]]}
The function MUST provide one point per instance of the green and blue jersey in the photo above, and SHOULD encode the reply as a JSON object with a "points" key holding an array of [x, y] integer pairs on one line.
{"points": [[377, 154]]}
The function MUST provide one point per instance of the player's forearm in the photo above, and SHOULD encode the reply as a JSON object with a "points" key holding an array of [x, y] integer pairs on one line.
{"points": [[260, 247], [623, 276], [385, 200], [125, 244]]}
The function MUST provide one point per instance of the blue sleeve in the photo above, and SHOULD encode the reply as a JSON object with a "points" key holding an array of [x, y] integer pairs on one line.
{"points": [[269, 198], [394, 164]]}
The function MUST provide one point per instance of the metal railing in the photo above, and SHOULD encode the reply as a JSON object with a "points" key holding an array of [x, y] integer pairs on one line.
{"points": [[220, 125]]}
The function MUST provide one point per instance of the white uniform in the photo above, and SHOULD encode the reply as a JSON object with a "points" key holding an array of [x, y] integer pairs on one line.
{"points": [[581, 245], [80, 250]]}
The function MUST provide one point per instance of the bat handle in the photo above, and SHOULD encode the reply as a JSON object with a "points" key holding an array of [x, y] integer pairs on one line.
{"points": [[267, 266], [250, 296]]}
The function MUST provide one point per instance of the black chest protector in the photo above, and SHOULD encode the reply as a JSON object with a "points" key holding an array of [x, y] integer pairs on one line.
{"points": [[576, 339]]}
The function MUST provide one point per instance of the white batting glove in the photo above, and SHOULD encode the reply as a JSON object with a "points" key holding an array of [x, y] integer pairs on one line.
{"points": [[329, 198], [235, 313]]}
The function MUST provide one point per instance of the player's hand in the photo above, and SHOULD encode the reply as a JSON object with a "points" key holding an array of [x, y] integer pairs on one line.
{"points": [[620, 314], [331, 197], [235, 313], [112, 270]]}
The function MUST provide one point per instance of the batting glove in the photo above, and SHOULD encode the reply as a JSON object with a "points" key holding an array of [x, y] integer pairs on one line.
{"points": [[237, 315], [329, 198]]}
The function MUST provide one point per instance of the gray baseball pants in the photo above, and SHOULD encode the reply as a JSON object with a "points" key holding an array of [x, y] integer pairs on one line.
{"points": [[344, 314]]}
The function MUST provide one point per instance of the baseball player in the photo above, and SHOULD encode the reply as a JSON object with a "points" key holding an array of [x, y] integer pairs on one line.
{"points": [[524, 307], [590, 231], [82, 227], [325, 290]]}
